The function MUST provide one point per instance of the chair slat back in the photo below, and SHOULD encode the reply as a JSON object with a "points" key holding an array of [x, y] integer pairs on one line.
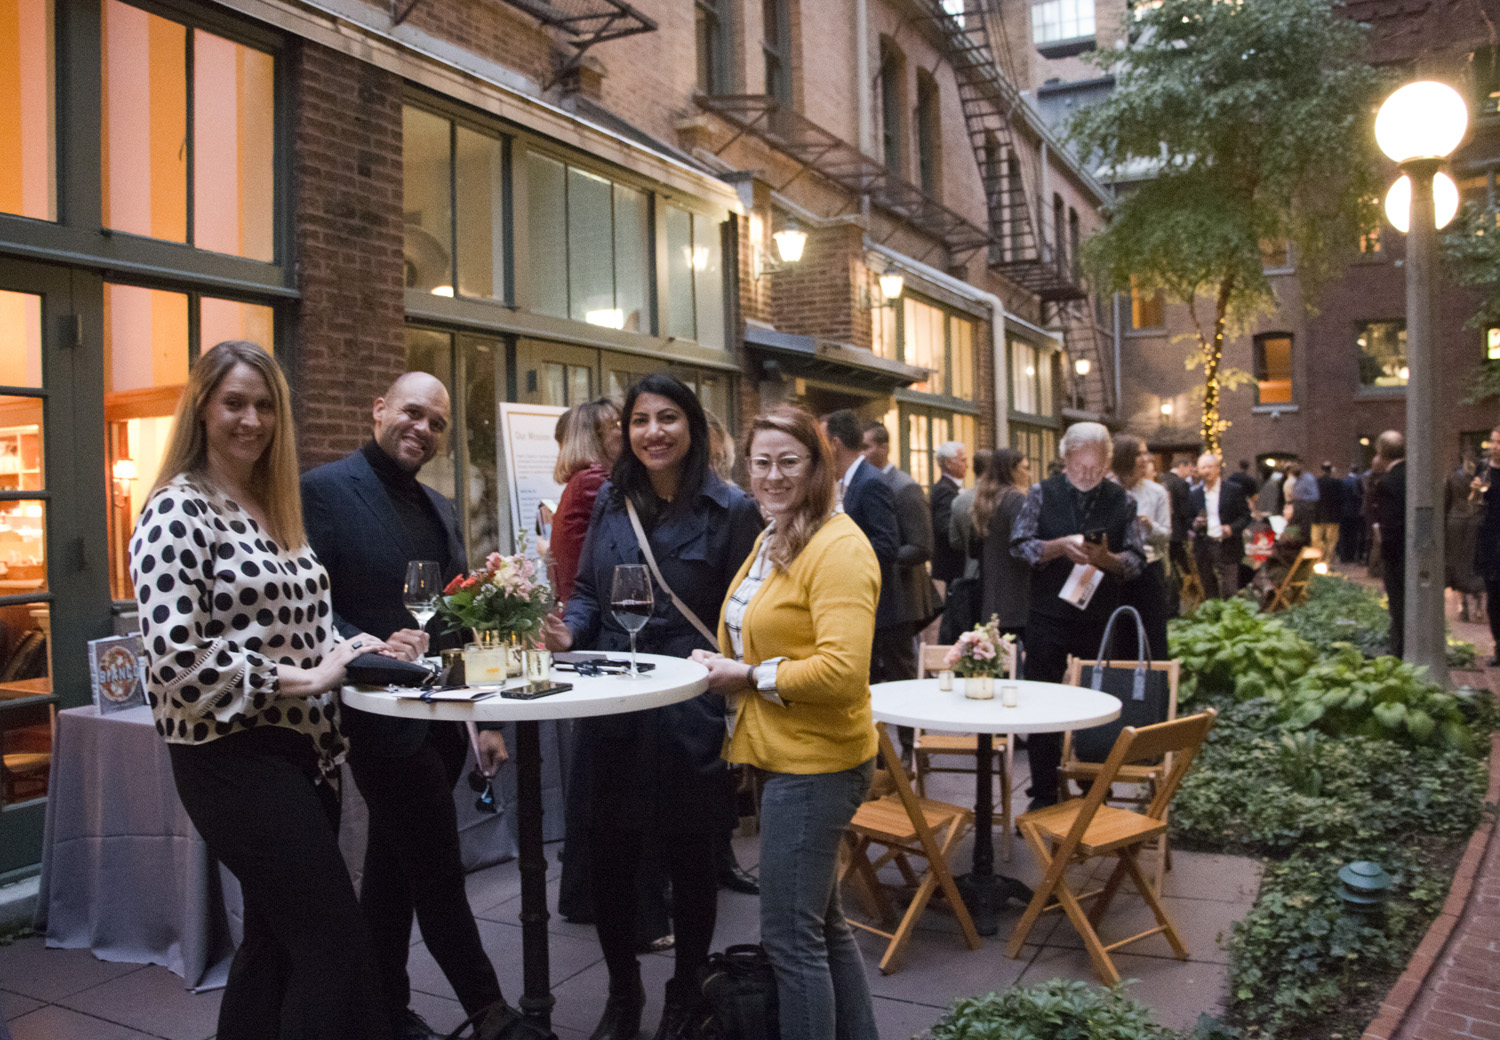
{"points": [[932, 658]]}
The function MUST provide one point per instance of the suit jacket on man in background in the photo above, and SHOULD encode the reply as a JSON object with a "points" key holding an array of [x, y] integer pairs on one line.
{"points": [[948, 558], [871, 505], [894, 655], [1388, 508]]}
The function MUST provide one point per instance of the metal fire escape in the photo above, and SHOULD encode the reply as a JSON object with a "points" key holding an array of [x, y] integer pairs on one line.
{"points": [[1020, 247], [584, 22]]}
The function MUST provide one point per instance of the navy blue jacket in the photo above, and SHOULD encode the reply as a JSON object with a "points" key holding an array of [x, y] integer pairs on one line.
{"points": [[357, 535], [871, 504], [658, 770]]}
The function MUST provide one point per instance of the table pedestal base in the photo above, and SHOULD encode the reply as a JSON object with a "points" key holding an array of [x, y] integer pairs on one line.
{"points": [[537, 999], [985, 894]]}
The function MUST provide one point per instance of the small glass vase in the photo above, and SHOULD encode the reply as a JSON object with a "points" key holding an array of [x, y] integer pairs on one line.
{"points": [[493, 657], [979, 687]]}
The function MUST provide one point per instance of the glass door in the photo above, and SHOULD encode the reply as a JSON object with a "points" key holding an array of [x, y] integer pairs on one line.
{"points": [[53, 585]]}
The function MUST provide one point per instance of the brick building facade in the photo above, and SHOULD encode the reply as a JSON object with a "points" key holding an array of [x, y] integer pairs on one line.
{"points": [[536, 215]]}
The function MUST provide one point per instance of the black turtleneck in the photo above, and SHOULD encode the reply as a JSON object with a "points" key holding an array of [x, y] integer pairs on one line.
{"points": [[424, 528]]}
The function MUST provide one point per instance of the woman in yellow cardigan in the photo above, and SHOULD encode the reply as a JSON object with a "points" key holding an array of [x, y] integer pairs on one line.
{"points": [[795, 637]]}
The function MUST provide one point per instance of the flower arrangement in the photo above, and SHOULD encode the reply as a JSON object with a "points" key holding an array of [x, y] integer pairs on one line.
{"points": [[980, 651], [506, 596]]}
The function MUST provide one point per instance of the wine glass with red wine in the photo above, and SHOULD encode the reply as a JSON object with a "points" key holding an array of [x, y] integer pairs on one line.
{"points": [[631, 603]]}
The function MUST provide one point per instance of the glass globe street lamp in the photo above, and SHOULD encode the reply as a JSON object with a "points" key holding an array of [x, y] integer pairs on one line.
{"points": [[1418, 127]]}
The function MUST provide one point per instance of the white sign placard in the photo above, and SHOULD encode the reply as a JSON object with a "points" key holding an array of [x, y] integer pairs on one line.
{"points": [[530, 452]]}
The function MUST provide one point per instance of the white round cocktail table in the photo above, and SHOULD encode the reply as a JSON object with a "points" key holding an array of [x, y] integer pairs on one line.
{"points": [[670, 681], [1040, 708]]}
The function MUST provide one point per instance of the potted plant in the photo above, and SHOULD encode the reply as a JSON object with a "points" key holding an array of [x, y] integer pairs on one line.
{"points": [[502, 604]]}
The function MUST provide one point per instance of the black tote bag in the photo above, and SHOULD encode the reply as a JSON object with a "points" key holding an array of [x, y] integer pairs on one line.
{"points": [[1145, 694]]}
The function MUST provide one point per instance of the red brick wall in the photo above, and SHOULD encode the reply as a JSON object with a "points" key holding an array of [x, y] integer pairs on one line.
{"points": [[346, 197], [821, 295]]}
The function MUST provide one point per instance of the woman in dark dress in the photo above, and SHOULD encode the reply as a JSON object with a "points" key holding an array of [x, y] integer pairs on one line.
{"points": [[653, 781], [1005, 580]]}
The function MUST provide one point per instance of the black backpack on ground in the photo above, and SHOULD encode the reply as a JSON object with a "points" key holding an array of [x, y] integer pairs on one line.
{"points": [[739, 996]]}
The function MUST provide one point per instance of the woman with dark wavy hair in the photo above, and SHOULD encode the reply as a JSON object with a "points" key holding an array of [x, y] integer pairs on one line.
{"points": [[1005, 581], [652, 782]]}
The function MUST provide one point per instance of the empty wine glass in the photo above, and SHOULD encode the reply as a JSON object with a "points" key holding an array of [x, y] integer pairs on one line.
{"points": [[424, 583], [631, 603]]}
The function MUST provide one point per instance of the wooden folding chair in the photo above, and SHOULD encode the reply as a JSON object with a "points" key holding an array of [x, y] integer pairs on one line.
{"points": [[1086, 828], [1293, 587], [1146, 776], [906, 827], [963, 751]]}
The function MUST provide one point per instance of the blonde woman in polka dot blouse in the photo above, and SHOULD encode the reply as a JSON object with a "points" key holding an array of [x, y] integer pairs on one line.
{"points": [[243, 671]]}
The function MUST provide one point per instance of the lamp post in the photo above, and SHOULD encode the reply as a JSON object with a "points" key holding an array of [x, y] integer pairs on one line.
{"points": [[1418, 127]]}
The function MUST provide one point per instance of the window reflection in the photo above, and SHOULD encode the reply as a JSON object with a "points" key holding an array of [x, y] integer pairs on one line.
{"points": [[28, 120], [426, 155], [146, 96]]}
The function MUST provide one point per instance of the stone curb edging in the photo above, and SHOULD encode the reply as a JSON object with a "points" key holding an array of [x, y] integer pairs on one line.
{"points": [[1429, 953]]}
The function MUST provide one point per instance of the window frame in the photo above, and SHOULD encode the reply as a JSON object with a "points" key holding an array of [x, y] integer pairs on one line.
{"points": [[1361, 388], [892, 106], [947, 399], [714, 66], [927, 126], [776, 52], [1260, 371]]}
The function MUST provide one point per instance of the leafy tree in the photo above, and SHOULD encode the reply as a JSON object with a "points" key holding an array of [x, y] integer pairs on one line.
{"points": [[1254, 122], [1471, 249]]}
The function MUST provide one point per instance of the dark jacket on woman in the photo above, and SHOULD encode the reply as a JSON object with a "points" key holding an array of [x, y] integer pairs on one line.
{"points": [[659, 770], [1006, 580], [1487, 538]]}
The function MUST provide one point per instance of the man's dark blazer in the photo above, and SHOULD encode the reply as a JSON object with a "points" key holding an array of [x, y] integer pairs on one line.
{"points": [[919, 599], [947, 562], [353, 527], [1180, 498], [1389, 501], [1234, 511], [871, 505]]}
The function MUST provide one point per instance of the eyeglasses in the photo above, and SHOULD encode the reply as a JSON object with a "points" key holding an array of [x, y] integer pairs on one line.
{"points": [[788, 465]]}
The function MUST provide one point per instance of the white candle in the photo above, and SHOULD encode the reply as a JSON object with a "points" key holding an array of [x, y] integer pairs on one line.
{"points": [[1009, 694], [945, 679]]}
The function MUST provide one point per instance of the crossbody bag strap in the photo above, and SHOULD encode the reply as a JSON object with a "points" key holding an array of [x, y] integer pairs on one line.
{"points": [[682, 608]]}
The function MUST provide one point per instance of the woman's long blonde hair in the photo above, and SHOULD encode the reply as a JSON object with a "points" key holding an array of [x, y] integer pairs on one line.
{"points": [[793, 534], [273, 481], [584, 429]]}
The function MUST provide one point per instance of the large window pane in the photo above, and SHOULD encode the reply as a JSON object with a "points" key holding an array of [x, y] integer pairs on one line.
{"points": [[145, 340], [144, 110], [708, 273], [426, 158], [219, 320], [20, 339], [28, 121], [681, 314], [481, 215], [1382, 354], [547, 223], [234, 148], [483, 359], [961, 343], [632, 260], [591, 276]]}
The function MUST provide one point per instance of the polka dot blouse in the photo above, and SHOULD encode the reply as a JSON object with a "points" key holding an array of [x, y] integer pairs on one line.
{"points": [[221, 605]]}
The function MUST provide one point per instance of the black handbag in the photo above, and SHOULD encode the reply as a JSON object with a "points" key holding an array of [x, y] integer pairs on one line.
{"points": [[1145, 694], [961, 609], [739, 996], [380, 670]]}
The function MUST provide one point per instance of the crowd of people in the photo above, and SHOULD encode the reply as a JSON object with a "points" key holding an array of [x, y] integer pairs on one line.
{"points": [[256, 588]]}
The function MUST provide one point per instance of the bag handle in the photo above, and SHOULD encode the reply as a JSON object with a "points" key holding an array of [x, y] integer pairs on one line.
{"points": [[1143, 661], [682, 608]]}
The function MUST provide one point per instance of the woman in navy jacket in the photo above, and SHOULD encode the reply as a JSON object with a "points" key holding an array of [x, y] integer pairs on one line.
{"points": [[654, 780]]}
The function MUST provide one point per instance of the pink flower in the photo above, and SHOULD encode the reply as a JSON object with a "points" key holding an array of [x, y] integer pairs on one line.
{"points": [[953, 655], [492, 561]]}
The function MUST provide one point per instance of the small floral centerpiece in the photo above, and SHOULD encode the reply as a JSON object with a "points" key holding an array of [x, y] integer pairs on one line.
{"points": [[980, 656], [502, 604]]}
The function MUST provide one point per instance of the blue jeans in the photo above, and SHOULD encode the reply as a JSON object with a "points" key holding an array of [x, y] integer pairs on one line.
{"points": [[820, 976]]}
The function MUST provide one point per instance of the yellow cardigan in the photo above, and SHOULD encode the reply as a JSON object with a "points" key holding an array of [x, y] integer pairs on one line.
{"points": [[820, 615]]}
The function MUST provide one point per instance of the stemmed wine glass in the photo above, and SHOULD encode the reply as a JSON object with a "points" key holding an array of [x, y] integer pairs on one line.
{"points": [[424, 583], [631, 602]]}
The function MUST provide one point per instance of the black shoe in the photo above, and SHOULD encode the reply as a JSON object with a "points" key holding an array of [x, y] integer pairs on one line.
{"points": [[735, 877], [622, 1014], [411, 1026], [499, 1021], [678, 1013]]}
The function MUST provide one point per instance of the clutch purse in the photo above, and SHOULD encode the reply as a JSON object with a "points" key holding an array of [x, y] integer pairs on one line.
{"points": [[380, 670]]}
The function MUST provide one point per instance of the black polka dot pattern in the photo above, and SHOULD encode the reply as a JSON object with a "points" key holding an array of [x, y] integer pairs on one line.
{"points": [[212, 590]]}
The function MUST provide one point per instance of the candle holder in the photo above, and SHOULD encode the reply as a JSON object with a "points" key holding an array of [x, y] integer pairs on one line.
{"points": [[979, 687], [945, 679], [1010, 695], [538, 665]]}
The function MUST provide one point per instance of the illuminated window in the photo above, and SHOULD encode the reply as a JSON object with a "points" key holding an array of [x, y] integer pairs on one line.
{"points": [[1382, 354], [695, 278], [926, 430], [1369, 242], [454, 203], [1037, 443], [1056, 20], [1148, 309], [1031, 378], [1273, 368], [211, 183], [150, 336], [1492, 343], [599, 271], [934, 338], [28, 120]]}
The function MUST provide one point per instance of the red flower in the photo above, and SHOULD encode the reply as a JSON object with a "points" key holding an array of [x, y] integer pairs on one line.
{"points": [[454, 585], [469, 582]]}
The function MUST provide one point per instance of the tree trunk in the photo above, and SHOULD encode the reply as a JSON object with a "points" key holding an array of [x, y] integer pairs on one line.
{"points": [[1213, 358]]}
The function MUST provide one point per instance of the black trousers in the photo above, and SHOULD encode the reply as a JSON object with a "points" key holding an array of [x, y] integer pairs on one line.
{"points": [[1049, 641], [305, 970], [1491, 602], [1394, 575], [1219, 565], [413, 868], [893, 657], [1148, 595], [616, 857]]}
